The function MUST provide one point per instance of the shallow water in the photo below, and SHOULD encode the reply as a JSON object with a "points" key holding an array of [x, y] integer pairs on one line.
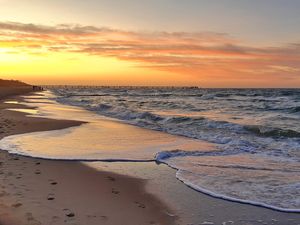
{"points": [[28, 111], [230, 146], [12, 102]]}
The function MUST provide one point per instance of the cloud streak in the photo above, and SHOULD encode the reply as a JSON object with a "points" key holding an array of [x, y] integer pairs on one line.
{"points": [[202, 53]]}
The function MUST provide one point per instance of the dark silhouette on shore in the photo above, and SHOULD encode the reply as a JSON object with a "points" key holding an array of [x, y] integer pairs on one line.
{"points": [[12, 83]]}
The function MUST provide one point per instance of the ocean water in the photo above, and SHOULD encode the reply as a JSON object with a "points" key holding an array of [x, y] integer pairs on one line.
{"points": [[255, 134]]}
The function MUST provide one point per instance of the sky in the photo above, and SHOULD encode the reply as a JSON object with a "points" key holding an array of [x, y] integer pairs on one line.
{"points": [[206, 43]]}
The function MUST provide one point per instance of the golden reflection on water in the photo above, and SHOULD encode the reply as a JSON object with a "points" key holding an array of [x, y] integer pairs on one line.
{"points": [[28, 111], [99, 138], [12, 102], [103, 139]]}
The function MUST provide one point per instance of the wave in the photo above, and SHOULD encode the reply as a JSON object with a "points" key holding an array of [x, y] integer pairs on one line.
{"points": [[164, 155], [167, 122], [210, 181], [228, 198], [295, 109], [272, 132], [231, 136]]}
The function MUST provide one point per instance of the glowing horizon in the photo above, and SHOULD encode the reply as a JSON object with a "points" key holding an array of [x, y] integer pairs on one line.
{"points": [[87, 54]]}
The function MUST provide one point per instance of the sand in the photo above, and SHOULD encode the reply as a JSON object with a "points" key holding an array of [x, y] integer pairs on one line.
{"points": [[48, 192], [11, 91]]}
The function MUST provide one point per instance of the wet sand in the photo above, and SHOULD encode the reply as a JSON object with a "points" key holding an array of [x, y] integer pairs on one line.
{"points": [[48, 192]]}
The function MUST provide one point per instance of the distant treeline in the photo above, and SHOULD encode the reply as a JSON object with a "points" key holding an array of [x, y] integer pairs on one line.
{"points": [[12, 83]]}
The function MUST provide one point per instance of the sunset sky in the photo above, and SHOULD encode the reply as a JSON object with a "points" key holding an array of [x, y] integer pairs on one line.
{"points": [[207, 43]]}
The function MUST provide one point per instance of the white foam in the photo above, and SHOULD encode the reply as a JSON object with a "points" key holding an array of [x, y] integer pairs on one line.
{"points": [[243, 178], [225, 197]]}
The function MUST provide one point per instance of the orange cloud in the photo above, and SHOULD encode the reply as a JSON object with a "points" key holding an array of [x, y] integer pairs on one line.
{"points": [[205, 54]]}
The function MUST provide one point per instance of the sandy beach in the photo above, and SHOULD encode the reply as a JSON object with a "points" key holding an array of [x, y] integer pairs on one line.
{"points": [[37, 191], [56, 192]]}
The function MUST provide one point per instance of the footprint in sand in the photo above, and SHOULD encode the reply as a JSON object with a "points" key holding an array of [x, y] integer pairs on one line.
{"points": [[114, 191], [37, 172], [104, 217], [140, 205], [111, 178], [52, 182], [16, 205], [69, 213], [50, 197]]}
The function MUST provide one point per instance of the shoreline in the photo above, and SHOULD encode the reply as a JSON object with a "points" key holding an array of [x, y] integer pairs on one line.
{"points": [[105, 124], [184, 200], [109, 197]]}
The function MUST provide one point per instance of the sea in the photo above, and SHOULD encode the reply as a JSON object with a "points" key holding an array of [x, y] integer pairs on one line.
{"points": [[255, 134]]}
